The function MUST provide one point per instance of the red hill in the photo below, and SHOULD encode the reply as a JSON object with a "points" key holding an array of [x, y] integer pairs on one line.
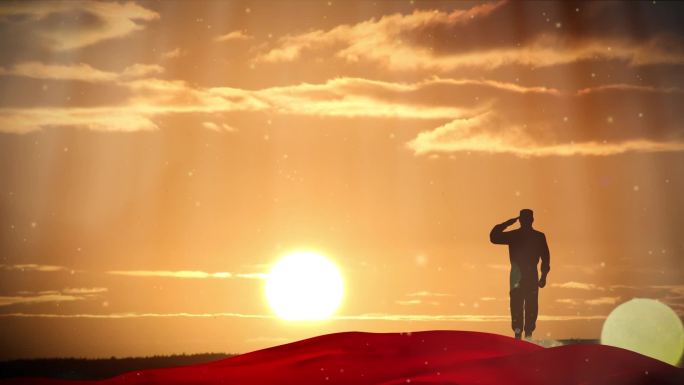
{"points": [[430, 357]]}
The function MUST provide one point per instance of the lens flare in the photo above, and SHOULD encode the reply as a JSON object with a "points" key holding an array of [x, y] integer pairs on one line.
{"points": [[645, 326]]}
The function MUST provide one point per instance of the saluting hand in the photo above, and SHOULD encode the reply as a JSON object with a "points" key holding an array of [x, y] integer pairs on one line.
{"points": [[511, 221]]}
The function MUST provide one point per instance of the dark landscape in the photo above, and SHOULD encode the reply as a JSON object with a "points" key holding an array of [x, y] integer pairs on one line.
{"points": [[97, 369]]}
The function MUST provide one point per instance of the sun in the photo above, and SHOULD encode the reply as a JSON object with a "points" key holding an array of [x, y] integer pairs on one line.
{"points": [[304, 285]]}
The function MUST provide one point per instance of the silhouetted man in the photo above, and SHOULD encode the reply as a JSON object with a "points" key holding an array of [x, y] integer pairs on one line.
{"points": [[525, 247]]}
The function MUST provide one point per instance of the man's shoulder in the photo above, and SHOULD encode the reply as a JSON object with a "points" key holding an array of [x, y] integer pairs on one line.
{"points": [[539, 233]]}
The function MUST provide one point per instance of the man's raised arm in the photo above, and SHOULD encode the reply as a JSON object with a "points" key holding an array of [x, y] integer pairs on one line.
{"points": [[498, 236]]}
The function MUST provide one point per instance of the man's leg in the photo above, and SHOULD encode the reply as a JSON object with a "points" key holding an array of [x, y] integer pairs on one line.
{"points": [[531, 309], [517, 299]]}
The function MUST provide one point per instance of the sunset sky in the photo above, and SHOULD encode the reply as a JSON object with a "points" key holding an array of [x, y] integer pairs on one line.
{"points": [[156, 158]]}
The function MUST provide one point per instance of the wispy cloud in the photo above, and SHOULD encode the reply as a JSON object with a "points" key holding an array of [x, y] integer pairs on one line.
{"points": [[170, 274], [84, 22], [34, 267], [393, 42], [409, 302], [232, 36], [194, 274], [602, 301], [677, 290], [577, 285], [85, 290], [23, 120], [488, 133], [78, 72], [629, 87], [38, 298], [672, 295], [372, 40], [64, 295], [218, 127], [152, 98], [591, 302], [172, 54], [488, 299], [568, 301], [490, 123], [499, 266]]}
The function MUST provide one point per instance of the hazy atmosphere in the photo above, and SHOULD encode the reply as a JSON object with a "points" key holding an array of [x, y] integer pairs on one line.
{"points": [[156, 159]]}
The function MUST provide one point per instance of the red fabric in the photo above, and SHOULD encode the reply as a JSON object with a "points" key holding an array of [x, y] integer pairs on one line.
{"points": [[431, 357]]}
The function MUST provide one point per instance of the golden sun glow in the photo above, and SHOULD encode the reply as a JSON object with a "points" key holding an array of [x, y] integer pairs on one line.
{"points": [[304, 286]]}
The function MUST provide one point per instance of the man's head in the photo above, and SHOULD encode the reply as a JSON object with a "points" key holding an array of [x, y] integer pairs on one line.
{"points": [[526, 218]]}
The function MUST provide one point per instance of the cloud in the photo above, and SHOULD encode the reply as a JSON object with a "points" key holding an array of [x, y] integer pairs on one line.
{"points": [[340, 97], [591, 302], [470, 115], [141, 70], [39, 298], [672, 295], [219, 128], [65, 295], [33, 267], [81, 72], [75, 24], [373, 40], [617, 88], [409, 302], [412, 42], [675, 290], [489, 133], [151, 98], [170, 274], [195, 274], [602, 301], [78, 72], [577, 285], [23, 120], [232, 36], [85, 290], [172, 54], [499, 266]]}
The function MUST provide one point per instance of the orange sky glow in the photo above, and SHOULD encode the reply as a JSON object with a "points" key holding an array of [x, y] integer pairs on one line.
{"points": [[156, 158]]}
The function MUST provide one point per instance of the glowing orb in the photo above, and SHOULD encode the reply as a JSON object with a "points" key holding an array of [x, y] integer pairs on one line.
{"points": [[645, 326], [304, 286]]}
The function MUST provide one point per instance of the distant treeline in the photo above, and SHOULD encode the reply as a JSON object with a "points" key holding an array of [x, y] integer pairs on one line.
{"points": [[96, 369]]}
